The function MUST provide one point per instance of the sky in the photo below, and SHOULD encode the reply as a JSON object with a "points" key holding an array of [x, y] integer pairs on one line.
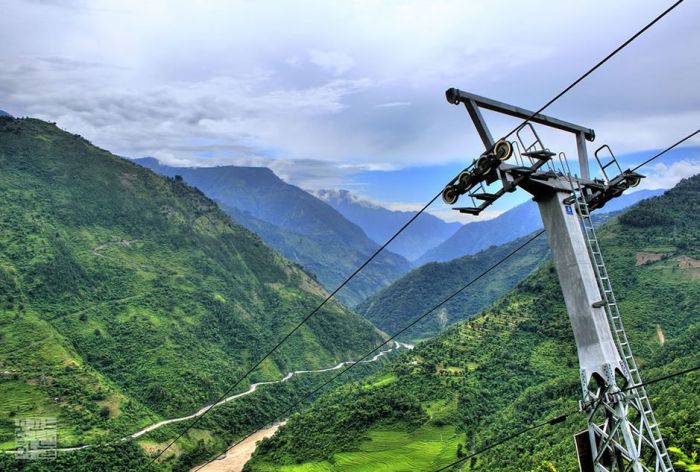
{"points": [[350, 94]]}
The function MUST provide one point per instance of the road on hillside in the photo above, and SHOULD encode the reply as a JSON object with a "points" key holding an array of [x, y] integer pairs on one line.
{"points": [[253, 388]]}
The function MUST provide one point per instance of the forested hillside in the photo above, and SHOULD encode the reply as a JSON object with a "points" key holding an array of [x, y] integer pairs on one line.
{"points": [[302, 227], [412, 295], [515, 366], [127, 297]]}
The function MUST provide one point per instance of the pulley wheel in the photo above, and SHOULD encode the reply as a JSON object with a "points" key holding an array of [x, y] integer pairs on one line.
{"points": [[483, 164], [503, 150], [450, 195]]}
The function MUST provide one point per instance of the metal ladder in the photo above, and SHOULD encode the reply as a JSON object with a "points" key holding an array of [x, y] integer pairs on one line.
{"points": [[640, 399]]}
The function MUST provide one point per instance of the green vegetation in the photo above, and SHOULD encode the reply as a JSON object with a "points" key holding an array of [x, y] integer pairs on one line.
{"points": [[425, 448], [409, 297], [127, 297], [515, 365], [302, 227]]}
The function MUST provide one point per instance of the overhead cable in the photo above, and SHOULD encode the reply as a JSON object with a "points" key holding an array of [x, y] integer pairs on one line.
{"points": [[400, 230], [555, 420]]}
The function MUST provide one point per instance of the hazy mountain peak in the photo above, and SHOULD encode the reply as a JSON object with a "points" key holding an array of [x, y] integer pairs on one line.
{"points": [[380, 223], [346, 196], [5, 114]]}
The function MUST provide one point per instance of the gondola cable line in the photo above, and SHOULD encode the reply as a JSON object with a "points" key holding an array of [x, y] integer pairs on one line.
{"points": [[556, 420], [409, 222], [661, 153], [309, 395]]}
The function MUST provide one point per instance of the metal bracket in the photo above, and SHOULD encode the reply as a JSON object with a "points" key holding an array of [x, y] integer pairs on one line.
{"points": [[473, 102]]}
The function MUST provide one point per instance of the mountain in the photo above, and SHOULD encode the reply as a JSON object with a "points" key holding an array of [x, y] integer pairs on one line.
{"points": [[395, 306], [514, 223], [410, 296], [127, 298], [4, 114], [515, 366], [297, 224], [379, 223]]}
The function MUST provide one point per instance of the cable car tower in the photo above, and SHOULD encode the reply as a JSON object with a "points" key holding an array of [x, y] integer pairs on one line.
{"points": [[622, 434]]}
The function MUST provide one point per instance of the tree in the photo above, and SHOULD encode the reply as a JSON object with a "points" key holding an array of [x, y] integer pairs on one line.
{"points": [[685, 462]]}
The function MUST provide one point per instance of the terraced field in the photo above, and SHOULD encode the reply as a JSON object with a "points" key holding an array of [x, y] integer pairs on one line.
{"points": [[427, 448]]}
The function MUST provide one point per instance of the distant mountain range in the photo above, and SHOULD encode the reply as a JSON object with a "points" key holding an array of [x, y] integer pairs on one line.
{"points": [[514, 223], [5, 114], [380, 223], [300, 226]]}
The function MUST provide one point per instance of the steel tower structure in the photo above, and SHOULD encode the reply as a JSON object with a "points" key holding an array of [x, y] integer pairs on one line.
{"points": [[622, 434]]}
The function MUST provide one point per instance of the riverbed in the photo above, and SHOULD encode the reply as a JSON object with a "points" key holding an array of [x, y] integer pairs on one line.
{"points": [[237, 456]]}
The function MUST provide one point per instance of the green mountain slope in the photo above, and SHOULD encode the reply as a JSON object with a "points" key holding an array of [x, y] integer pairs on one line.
{"points": [[126, 297], [515, 366], [409, 297], [303, 228], [412, 295]]}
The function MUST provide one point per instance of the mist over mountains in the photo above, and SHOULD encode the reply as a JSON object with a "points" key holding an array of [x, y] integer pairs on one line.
{"points": [[380, 223]]}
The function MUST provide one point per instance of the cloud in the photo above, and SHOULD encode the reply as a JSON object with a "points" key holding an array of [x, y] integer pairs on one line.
{"points": [[393, 105], [664, 175], [354, 84], [337, 63]]}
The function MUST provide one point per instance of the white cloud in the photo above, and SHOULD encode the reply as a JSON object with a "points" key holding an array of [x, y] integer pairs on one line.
{"points": [[337, 63], [663, 175], [351, 83], [393, 105]]}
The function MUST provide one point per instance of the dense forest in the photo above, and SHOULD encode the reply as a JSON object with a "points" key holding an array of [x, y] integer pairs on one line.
{"points": [[128, 298], [515, 365], [412, 295]]}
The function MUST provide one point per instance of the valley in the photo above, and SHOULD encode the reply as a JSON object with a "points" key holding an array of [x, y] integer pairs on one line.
{"points": [[110, 337], [515, 365], [300, 226]]}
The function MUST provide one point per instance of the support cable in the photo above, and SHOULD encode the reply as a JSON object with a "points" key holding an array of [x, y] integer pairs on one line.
{"points": [[309, 395], [600, 63], [411, 220], [667, 149], [556, 420]]}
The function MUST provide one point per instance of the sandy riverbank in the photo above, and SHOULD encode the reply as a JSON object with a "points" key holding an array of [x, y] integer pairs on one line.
{"points": [[237, 456]]}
